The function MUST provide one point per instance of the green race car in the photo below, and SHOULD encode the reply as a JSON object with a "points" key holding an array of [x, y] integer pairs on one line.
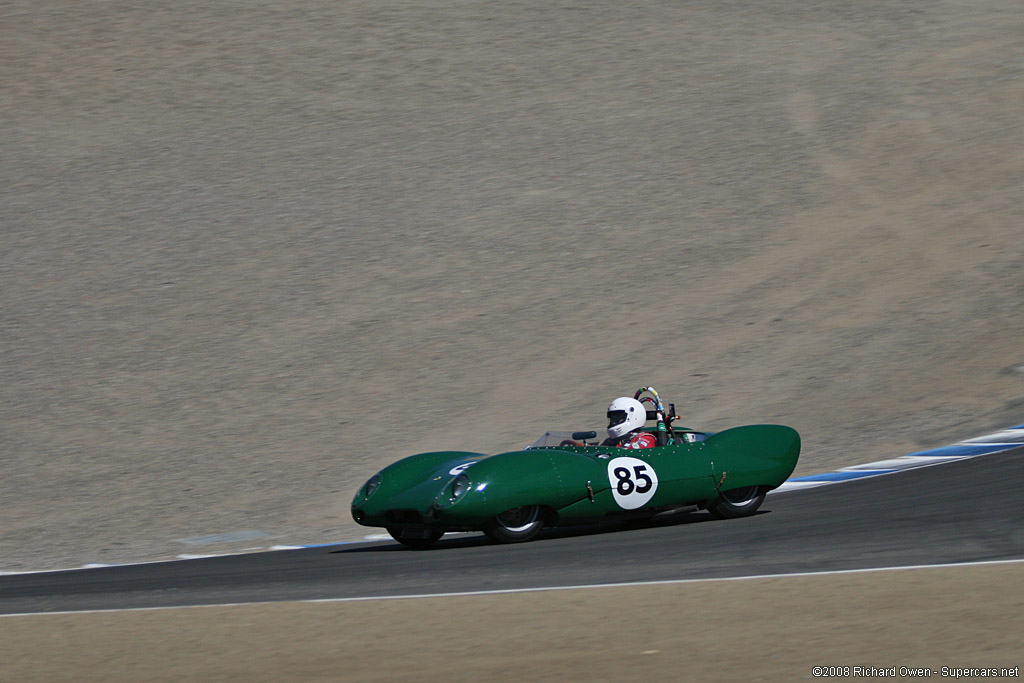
{"points": [[568, 478]]}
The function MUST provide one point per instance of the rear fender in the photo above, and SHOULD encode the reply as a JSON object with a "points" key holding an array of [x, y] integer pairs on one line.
{"points": [[753, 455]]}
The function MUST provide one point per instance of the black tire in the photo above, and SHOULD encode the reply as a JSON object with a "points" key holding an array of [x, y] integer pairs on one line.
{"points": [[740, 502], [516, 525], [417, 542]]}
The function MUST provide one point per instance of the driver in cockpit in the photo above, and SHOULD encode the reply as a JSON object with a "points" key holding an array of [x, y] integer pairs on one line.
{"points": [[625, 417]]}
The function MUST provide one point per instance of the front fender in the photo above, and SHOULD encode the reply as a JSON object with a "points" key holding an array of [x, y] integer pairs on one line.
{"points": [[411, 483], [552, 478]]}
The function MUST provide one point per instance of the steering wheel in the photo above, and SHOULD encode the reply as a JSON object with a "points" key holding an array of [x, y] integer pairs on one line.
{"points": [[653, 398]]}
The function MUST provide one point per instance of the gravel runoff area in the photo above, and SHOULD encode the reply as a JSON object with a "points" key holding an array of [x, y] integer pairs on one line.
{"points": [[773, 629], [251, 251]]}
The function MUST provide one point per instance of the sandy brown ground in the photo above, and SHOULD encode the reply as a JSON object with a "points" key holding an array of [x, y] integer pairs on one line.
{"points": [[252, 251], [758, 630]]}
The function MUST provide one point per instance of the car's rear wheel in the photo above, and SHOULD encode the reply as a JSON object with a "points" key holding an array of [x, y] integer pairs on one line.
{"points": [[415, 538], [516, 525], [739, 502]]}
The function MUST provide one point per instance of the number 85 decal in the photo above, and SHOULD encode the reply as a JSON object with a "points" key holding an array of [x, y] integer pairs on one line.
{"points": [[633, 482]]}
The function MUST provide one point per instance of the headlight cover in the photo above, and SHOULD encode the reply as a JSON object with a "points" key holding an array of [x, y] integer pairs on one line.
{"points": [[370, 486], [458, 487]]}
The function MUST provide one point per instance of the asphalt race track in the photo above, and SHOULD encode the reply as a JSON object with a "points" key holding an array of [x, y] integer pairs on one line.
{"points": [[965, 511]]}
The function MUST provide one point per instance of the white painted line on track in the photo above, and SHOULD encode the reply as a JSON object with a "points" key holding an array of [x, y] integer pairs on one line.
{"points": [[670, 582], [541, 589]]}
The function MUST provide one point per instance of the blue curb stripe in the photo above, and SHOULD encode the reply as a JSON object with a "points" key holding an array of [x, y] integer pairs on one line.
{"points": [[991, 443], [841, 476], [962, 449]]}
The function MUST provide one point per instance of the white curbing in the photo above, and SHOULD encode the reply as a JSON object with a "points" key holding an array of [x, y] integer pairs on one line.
{"points": [[971, 448]]}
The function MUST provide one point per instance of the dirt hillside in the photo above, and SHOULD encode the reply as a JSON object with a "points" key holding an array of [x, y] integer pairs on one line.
{"points": [[252, 251]]}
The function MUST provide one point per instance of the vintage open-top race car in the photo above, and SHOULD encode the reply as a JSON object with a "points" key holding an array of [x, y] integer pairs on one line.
{"points": [[568, 478]]}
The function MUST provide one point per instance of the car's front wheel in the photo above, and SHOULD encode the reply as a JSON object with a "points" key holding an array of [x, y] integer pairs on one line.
{"points": [[415, 538], [516, 525], [739, 502]]}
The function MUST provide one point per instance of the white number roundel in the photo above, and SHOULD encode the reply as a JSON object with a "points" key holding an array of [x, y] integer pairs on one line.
{"points": [[633, 481]]}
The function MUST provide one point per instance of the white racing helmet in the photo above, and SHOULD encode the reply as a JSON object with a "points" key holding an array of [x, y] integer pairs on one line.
{"points": [[624, 415]]}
